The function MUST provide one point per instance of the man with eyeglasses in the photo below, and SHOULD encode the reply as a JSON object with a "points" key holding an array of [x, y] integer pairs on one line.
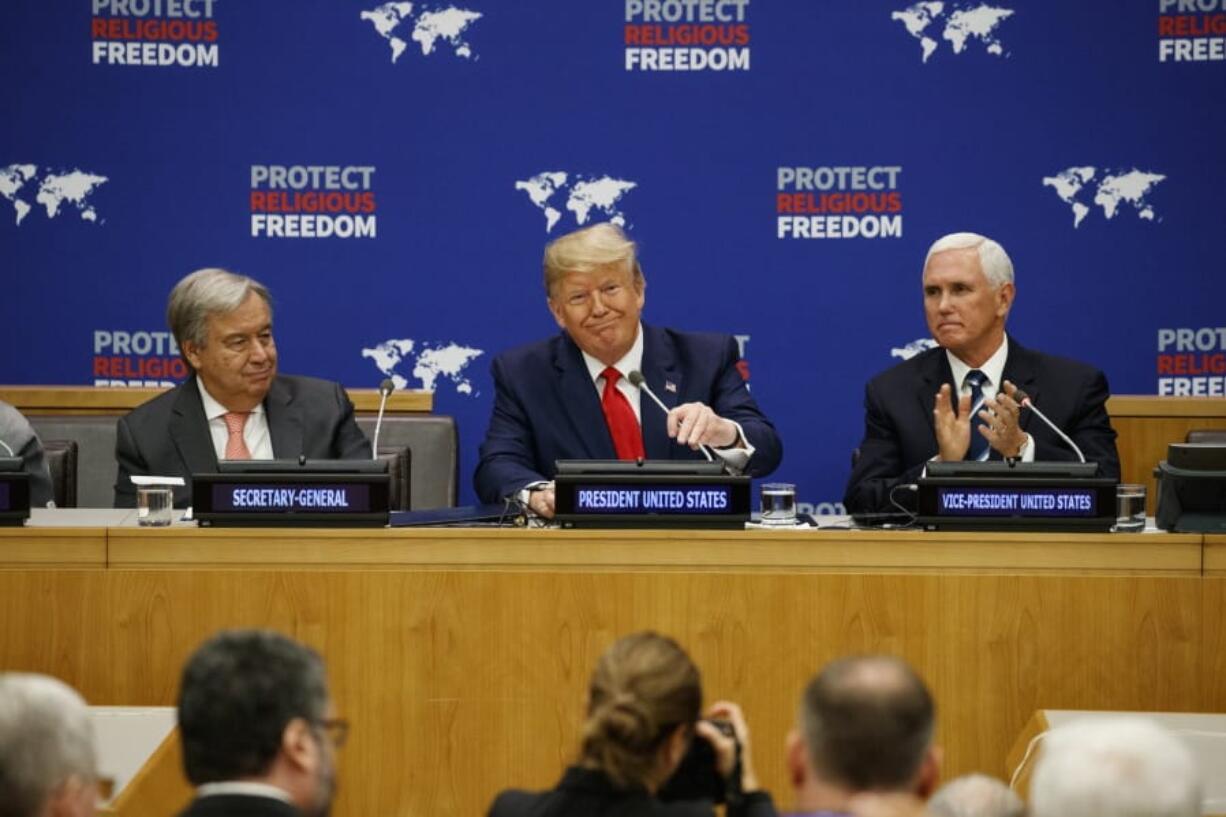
{"points": [[258, 729], [569, 397], [234, 405]]}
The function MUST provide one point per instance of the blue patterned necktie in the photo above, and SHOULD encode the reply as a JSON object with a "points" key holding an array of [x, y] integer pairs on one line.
{"points": [[979, 445]]}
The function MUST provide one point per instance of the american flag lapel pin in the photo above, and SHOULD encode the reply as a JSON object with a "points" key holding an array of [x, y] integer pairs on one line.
{"points": [[670, 386]]}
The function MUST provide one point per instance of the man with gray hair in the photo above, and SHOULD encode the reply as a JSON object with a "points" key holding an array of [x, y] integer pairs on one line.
{"points": [[1115, 767], [866, 733], [234, 405], [976, 795], [47, 764], [956, 401]]}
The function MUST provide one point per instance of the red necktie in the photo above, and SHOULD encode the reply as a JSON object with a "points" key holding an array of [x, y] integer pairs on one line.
{"points": [[623, 425]]}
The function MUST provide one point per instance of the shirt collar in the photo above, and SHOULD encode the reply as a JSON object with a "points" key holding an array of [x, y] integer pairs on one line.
{"points": [[631, 361], [214, 409], [243, 787], [993, 368]]}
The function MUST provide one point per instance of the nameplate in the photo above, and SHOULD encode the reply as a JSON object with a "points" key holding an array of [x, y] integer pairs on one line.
{"points": [[1003, 503], [289, 500], [647, 499], [14, 493]]}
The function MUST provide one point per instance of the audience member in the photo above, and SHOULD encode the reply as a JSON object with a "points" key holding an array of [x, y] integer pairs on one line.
{"points": [[259, 734], [866, 731], [644, 704], [1115, 767], [976, 795], [47, 764]]}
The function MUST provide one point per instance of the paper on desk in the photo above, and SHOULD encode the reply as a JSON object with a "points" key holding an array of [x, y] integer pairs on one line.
{"points": [[153, 480]]}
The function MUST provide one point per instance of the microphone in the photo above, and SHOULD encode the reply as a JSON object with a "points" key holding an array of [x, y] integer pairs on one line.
{"points": [[1024, 399], [385, 389], [639, 382], [7, 448]]}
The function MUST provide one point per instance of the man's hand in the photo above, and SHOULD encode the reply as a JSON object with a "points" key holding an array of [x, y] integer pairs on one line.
{"points": [[695, 424], [541, 501], [953, 430], [1001, 415]]}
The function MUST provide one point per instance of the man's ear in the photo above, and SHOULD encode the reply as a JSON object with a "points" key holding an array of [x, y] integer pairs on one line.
{"points": [[299, 744], [556, 309], [192, 352], [74, 798], [929, 778], [1005, 294], [797, 759]]}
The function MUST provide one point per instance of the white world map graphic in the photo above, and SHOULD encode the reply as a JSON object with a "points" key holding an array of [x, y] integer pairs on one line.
{"points": [[584, 194], [428, 364], [1132, 187], [52, 190], [915, 347], [396, 24], [963, 23]]}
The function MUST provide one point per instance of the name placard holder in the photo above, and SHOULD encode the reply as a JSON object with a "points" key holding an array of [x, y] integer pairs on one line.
{"points": [[617, 494], [291, 497], [14, 492], [1028, 496]]}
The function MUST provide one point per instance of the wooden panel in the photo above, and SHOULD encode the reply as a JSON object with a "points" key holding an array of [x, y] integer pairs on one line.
{"points": [[159, 788], [1149, 405], [35, 400], [740, 551], [459, 683], [1215, 554], [27, 546]]}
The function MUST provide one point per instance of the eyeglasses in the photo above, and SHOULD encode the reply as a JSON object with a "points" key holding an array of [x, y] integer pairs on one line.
{"points": [[337, 730]]}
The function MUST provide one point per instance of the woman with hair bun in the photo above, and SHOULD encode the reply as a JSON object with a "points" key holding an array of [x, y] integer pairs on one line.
{"points": [[644, 705]]}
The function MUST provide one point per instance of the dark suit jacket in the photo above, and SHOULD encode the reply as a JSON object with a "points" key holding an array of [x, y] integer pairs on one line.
{"points": [[590, 793], [18, 434], [239, 805], [169, 435], [546, 407], [900, 439]]}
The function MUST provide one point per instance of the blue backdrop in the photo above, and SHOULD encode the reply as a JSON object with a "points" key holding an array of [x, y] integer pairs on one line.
{"points": [[1084, 136]]}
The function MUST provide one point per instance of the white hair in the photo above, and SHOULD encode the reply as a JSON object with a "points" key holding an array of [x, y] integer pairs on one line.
{"points": [[1115, 767], [46, 737], [993, 259], [976, 795]]}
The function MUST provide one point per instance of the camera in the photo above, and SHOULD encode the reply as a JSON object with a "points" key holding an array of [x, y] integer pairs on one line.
{"points": [[697, 777]]}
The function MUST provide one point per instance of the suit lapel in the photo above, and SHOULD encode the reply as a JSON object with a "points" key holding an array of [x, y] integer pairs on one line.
{"points": [[189, 430], [1020, 369], [934, 371], [660, 370], [579, 401], [284, 421]]}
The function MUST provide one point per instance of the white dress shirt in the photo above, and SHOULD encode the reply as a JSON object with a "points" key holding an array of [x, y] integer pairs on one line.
{"points": [[255, 432], [994, 370], [243, 787]]}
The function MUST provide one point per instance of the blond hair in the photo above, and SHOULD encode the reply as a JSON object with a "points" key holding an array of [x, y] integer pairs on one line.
{"points": [[587, 250]]}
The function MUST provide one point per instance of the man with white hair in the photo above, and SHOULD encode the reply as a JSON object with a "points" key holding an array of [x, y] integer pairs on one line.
{"points": [[975, 795], [1115, 767], [956, 401], [235, 405], [47, 764]]}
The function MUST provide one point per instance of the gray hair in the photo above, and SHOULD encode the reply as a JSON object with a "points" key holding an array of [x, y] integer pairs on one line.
{"points": [[206, 292], [1115, 767], [46, 737], [993, 259], [976, 795]]}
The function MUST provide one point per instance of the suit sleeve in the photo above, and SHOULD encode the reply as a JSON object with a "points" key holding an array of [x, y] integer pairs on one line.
{"points": [[131, 462], [507, 462], [880, 466], [732, 401], [1089, 426], [348, 441]]}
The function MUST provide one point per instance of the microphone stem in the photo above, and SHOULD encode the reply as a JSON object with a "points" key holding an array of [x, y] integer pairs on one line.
{"points": [[1030, 405]]}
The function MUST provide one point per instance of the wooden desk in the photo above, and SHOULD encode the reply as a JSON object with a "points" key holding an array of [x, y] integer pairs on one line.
{"points": [[461, 657]]}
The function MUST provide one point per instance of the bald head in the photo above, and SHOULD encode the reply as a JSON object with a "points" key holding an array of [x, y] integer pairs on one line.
{"points": [[868, 723]]}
